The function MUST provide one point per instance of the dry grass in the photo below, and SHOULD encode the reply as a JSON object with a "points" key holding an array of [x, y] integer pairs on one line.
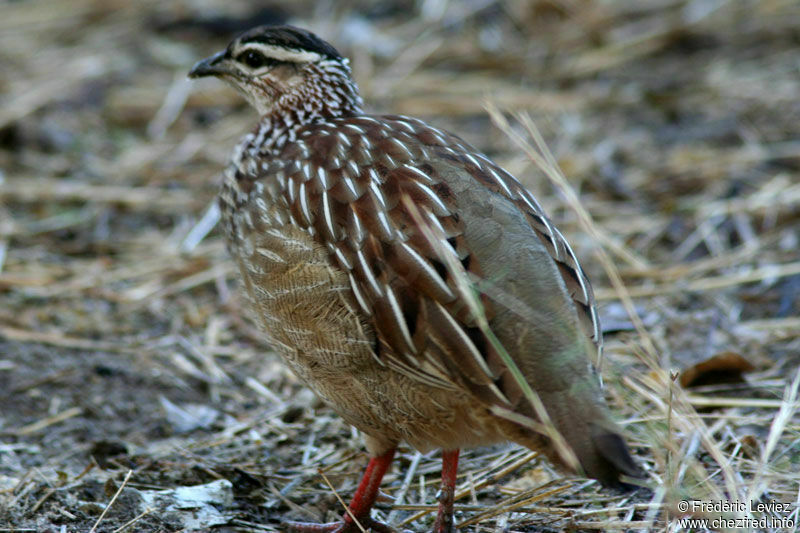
{"points": [[662, 136]]}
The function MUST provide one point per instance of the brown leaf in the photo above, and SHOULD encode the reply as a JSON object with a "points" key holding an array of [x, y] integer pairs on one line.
{"points": [[725, 367]]}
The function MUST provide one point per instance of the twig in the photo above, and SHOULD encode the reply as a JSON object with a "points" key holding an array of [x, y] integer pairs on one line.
{"points": [[133, 520], [114, 499], [45, 422], [341, 501]]}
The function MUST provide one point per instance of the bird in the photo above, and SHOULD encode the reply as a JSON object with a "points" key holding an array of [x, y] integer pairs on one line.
{"points": [[413, 284]]}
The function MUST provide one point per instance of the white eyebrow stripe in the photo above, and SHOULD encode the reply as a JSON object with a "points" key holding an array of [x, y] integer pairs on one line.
{"points": [[281, 54]]}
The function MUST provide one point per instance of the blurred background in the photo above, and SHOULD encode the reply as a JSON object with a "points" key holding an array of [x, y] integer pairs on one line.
{"points": [[125, 347]]}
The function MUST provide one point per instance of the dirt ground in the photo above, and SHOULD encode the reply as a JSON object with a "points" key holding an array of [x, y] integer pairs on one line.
{"points": [[129, 366]]}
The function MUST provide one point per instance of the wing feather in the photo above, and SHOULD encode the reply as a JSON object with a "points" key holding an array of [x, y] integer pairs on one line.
{"points": [[399, 277]]}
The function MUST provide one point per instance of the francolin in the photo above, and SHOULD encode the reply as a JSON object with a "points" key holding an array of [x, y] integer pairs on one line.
{"points": [[412, 283]]}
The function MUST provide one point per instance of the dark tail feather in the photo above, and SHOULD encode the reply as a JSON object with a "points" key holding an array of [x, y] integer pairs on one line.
{"points": [[611, 459]]}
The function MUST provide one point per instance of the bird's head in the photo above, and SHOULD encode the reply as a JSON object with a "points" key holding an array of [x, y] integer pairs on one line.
{"points": [[277, 67]]}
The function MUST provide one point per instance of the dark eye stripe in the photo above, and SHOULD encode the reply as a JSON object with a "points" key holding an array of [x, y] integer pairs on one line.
{"points": [[254, 59]]}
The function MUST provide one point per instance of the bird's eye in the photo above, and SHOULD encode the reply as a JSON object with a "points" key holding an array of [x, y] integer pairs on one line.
{"points": [[253, 59]]}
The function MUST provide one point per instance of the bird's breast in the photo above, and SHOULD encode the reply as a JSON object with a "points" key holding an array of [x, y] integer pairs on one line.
{"points": [[300, 299]]}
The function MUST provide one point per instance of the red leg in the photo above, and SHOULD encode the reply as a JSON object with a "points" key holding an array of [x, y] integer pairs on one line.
{"points": [[444, 519], [360, 505]]}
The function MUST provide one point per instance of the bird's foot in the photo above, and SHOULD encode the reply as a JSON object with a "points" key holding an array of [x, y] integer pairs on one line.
{"points": [[344, 526], [444, 518]]}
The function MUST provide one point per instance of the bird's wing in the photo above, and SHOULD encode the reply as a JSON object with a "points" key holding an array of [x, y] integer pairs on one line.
{"points": [[383, 195]]}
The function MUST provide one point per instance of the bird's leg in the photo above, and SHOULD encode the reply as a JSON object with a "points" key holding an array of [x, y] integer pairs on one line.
{"points": [[368, 489], [360, 505], [444, 519]]}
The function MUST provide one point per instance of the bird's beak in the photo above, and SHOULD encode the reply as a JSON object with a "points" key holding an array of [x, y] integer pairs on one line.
{"points": [[210, 66]]}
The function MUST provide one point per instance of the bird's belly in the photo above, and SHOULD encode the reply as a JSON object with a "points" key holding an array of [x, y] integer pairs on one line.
{"points": [[304, 304]]}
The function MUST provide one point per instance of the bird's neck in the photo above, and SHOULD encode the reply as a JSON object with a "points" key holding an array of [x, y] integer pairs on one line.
{"points": [[328, 92]]}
